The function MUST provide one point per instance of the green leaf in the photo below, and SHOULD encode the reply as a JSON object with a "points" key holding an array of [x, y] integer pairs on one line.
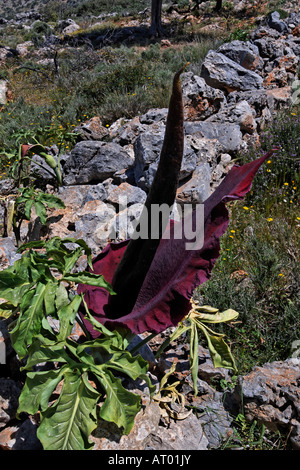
{"points": [[108, 352], [96, 325], [30, 318], [46, 350], [6, 309], [133, 366], [70, 259], [13, 286], [66, 316], [49, 299], [219, 350], [33, 244], [50, 200], [37, 390], [56, 254], [86, 277], [27, 209], [67, 424], [102, 349], [62, 298], [22, 199], [120, 405], [83, 245], [41, 212]]}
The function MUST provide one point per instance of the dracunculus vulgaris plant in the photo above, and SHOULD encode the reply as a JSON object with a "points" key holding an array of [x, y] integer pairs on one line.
{"points": [[140, 285], [154, 279]]}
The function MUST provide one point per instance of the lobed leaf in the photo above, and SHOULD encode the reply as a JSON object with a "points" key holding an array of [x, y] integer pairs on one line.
{"points": [[87, 250], [49, 298], [27, 209], [67, 424], [66, 316], [70, 260], [50, 200], [30, 319], [120, 405], [47, 350], [91, 279], [37, 390], [13, 286], [41, 211]]}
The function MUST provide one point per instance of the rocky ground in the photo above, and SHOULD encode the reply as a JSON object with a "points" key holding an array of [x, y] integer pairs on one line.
{"points": [[240, 87]]}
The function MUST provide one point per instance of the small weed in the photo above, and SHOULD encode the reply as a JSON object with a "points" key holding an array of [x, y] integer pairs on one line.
{"points": [[253, 436]]}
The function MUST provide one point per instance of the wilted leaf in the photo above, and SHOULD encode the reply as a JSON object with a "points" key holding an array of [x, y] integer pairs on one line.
{"points": [[217, 317], [194, 356], [219, 350], [6, 309]]}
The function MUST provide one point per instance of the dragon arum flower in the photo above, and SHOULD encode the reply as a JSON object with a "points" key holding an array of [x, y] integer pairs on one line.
{"points": [[154, 279]]}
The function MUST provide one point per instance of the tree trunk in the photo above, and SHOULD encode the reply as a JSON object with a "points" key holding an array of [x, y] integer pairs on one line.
{"points": [[218, 5], [156, 27]]}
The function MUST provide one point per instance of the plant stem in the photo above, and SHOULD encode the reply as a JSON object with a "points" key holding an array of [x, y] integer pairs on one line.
{"points": [[142, 343], [82, 326]]}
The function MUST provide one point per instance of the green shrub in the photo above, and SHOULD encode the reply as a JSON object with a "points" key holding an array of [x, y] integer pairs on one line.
{"points": [[278, 181], [258, 272], [261, 282]]}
